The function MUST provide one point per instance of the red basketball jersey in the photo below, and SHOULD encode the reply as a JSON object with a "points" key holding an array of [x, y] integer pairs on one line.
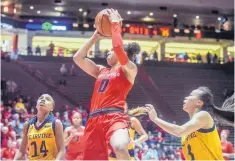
{"points": [[111, 89], [73, 146]]}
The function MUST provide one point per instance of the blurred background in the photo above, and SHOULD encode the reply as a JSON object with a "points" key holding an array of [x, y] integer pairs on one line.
{"points": [[184, 44]]}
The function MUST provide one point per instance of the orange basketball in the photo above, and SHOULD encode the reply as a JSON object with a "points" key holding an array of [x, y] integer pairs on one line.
{"points": [[102, 23]]}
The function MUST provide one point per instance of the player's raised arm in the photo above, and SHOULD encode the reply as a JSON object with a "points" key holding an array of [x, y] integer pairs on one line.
{"points": [[124, 58], [200, 120], [59, 140], [84, 63], [24, 143]]}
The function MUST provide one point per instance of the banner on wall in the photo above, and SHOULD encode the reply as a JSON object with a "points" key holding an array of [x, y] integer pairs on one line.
{"points": [[6, 26], [45, 26]]}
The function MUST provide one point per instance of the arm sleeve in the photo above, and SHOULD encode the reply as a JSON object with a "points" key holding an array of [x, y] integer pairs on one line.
{"points": [[118, 44]]}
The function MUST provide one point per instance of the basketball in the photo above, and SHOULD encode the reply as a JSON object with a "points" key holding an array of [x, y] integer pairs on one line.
{"points": [[102, 23]]}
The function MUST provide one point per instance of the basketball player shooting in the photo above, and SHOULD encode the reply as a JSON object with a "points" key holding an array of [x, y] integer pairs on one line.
{"points": [[107, 126]]}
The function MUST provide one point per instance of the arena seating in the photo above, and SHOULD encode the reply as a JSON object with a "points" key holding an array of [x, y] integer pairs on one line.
{"points": [[175, 81], [79, 87], [29, 85], [168, 82]]}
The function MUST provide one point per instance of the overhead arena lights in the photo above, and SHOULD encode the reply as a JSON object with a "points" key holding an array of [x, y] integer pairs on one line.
{"points": [[59, 9], [86, 25], [187, 31], [5, 9], [75, 24], [176, 30]]}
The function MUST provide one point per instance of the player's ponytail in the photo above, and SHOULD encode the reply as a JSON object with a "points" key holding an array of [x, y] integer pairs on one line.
{"points": [[136, 111], [225, 114]]}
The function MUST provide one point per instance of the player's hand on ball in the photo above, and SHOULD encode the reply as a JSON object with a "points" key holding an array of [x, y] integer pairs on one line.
{"points": [[151, 111], [97, 35], [114, 16]]}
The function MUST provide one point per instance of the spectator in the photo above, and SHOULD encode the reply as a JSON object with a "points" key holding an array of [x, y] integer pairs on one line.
{"points": [[227, 147], [31, 113], [9, 152], [147, 155], [27, 99], [208, 58], [153, 151], [199, 58], [18, 127], [72, 70], [163, 157], [171, 150], [159, 138], [65, 121], [63, 70], [166, 151], [178, 156], [57, 115], [19, 107], [11, 132], [229, 58], [186, 57], [4, 136], [180, 151], [215, 58], [172, 157], [51, 49], [62, 83], [29, 50], [159, 150], [38, 51], [155, 56], [139, 154], [144, 55], [7, 113], [11, 86], [15, 117], [150, 139], [136, 150]]}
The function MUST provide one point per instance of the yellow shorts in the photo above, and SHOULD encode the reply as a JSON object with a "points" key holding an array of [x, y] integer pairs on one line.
{"points": [[112, 155]]}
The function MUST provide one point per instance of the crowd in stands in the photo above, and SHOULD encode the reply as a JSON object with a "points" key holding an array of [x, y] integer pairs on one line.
{"points": [[209, 58], [16, 109]]}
